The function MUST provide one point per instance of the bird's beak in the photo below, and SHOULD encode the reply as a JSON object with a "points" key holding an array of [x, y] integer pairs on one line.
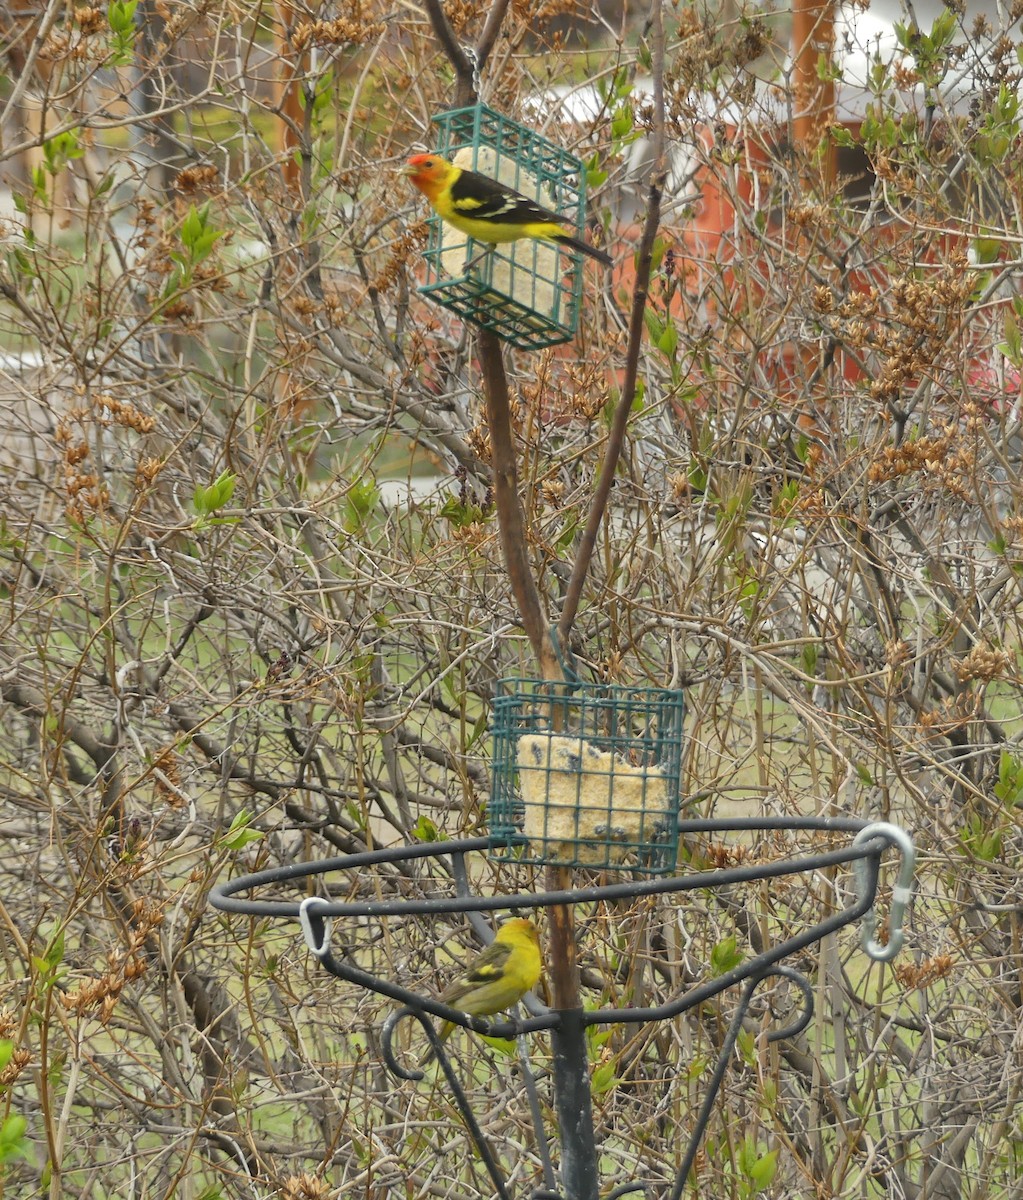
{"points": [[407, 169]]}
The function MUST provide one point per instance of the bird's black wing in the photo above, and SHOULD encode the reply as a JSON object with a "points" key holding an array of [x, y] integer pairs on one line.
{"points": [[484, 199]]}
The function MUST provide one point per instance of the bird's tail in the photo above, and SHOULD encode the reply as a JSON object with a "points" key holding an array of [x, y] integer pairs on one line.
{"points": [[566, 239]]}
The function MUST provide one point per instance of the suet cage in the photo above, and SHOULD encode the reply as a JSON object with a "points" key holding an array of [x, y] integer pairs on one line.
{"points": [[586, 775], [527, 292]]}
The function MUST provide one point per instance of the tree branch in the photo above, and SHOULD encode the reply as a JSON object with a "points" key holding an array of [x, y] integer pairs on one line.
{"points": [[616, 437]]}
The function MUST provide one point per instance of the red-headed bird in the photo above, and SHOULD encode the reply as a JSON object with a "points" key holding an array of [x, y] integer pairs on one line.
{"points": [[488, 211]]}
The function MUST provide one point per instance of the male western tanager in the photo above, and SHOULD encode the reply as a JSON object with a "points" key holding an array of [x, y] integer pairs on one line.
{"points": [[497, 977], [486, 210]]}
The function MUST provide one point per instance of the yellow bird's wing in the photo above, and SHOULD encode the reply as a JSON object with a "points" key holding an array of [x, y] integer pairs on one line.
{"points": [[487, 968]]}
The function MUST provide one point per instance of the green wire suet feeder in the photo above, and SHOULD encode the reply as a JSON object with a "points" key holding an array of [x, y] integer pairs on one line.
{"points": [[528, 293], [586, 775]]}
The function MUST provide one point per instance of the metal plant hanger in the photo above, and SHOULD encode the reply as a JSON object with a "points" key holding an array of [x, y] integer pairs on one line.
{"points": [[863, 846]]}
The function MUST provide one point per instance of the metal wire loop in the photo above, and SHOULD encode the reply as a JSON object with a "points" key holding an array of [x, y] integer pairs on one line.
{"points": [[315, 926], [902, 892]]}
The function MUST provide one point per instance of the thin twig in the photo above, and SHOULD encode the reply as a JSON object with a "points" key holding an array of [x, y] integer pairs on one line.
{"points": [[616, 437], [492, 27]]}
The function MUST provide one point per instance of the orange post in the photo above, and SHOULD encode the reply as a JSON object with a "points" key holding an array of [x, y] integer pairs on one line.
{"points": [[289, 101], [813, 42]]}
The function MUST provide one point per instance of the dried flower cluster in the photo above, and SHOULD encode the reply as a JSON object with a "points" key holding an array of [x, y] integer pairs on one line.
{"points": [[197, 179], [923, 316], [20, 1057], [305, 1187], [983, 663], [401, 255], [923, 974], [353, 30], [85, 491], [90, 20], [941, 458], [100, 995], [953, 714]]}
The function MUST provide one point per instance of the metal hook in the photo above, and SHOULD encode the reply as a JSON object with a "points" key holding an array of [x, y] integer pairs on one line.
{"points": [[315, 926], [902, 892], [800, 981], [390, 1025]]}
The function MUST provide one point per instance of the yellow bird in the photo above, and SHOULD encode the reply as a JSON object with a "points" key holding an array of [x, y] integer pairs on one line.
{"points": [[497, 977], [488, 211]]}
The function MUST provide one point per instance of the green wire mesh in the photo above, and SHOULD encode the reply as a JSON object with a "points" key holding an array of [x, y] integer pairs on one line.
{"points": [[528, 293], [586, 775]]}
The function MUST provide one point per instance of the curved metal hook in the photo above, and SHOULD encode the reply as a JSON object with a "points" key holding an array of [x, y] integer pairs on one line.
{"points": [[902, 891], [387, 1033], [315, 926], [623, 1189], [457, 1091], [806, 1016]]}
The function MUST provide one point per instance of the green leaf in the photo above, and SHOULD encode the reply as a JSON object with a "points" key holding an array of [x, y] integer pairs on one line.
{"points": [[240, 834], [667, 343], [786, 497], [121, 15], [654, 325], [461, 513], [906, 35], [566, 537], [12, 1137], [725, 956], [943, 29], [54, 953], [207, 500], [360, 501], [762, 1171], [479, 732], [746, 1156], [1012, 347], [696, 474], [828, 71], [424, 830], [622, 122], [809, 655], [1009, 788], [604, 1079]]}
